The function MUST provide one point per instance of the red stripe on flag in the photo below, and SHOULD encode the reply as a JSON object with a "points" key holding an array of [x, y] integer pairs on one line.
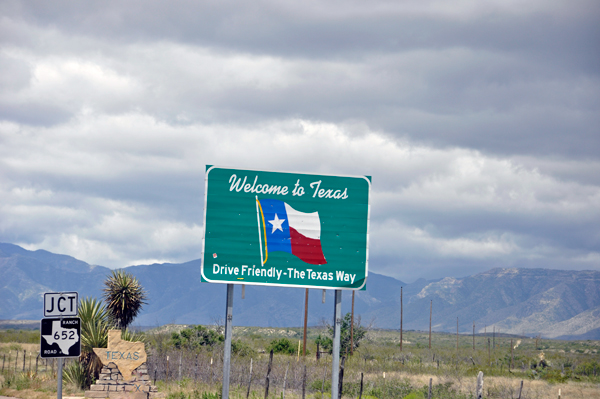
{"points": [[307, 249]]}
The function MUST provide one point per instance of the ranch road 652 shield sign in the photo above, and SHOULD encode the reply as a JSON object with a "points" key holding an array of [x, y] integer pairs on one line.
{"points": [[285, 229]]}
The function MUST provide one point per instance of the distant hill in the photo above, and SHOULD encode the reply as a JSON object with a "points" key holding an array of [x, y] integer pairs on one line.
{"points": [[553, 303]]}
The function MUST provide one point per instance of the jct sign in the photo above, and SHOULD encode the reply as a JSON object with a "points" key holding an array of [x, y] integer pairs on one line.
{"points": [[285, 229]]}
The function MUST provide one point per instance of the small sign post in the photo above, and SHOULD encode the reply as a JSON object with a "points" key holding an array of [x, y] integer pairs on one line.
{"points": [[60, 336]]}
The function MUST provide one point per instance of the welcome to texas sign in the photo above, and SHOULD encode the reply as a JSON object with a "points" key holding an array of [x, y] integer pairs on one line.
{"points": [[285, 229]]}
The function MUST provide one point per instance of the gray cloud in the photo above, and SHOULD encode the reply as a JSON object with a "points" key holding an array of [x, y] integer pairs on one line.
{"points": [[478, 122]]}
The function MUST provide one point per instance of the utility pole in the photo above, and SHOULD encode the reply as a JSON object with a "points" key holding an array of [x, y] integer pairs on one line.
{"points": [[305, 322], [401, 310], [430, 313]]}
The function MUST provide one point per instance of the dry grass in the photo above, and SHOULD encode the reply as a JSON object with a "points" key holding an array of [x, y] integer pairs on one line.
{"points": [[502, 387]]}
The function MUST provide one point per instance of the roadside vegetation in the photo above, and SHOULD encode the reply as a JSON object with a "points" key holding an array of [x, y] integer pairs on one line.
{"points": [[194, 365]]}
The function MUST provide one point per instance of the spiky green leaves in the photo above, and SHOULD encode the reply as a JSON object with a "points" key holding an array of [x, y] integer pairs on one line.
{"points": [[124, 297]]}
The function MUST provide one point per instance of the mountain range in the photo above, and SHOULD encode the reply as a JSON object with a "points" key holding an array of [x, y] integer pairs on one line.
{"points": [[553, 303]]}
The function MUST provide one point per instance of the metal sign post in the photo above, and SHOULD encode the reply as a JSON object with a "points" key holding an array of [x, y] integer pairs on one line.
{"points": [[227, 348], [335, 355], [59, 378]]}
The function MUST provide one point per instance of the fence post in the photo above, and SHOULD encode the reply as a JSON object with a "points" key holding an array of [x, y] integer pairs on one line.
{"points": [[24, 352], [479, 393], [285, 379], [341, 377], [268, 374], [179, 371], [429, 394], [361, 386], [16, 358], [249, 380], [304, 383], [3, 360], [520, 390]]}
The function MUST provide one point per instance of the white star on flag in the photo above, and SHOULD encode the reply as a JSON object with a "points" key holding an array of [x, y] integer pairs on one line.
{"points": [[276, 223]]}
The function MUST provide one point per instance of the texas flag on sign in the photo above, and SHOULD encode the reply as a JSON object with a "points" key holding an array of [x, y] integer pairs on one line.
{"points": [[287, 230]]}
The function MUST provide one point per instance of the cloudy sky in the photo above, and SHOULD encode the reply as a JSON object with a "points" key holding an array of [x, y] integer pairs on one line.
{"points": [[479, 122]]}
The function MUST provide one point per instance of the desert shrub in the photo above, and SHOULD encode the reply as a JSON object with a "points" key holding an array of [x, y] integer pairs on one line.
{"points": [[318, 385], [589, 369], [196, 337], [241, 348], [553, 376], [325, 343], [282, 345]]}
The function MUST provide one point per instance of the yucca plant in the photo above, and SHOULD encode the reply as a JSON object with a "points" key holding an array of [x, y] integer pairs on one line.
{"points": [[124, 297], [94, 334]]}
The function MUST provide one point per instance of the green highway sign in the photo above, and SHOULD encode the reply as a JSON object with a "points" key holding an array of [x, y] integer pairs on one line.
{"points": [[285, 229]]}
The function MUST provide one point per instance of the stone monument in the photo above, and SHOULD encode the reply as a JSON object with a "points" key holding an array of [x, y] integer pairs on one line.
{"points": [[124, 374]]}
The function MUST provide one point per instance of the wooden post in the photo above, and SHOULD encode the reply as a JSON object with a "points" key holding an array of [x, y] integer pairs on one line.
{"points": [[305, 322], [249, 380], [303, 383], [284, 381], [352, 327], [401, 315], [17, 358], [430, 313], [268, 374], [179, 369], [520, 390], [361, 386], [457, 342], [479, 393], [341, 377], [3, 361], [473, 335], [430, 383], [489, 354], [24, 351]]}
